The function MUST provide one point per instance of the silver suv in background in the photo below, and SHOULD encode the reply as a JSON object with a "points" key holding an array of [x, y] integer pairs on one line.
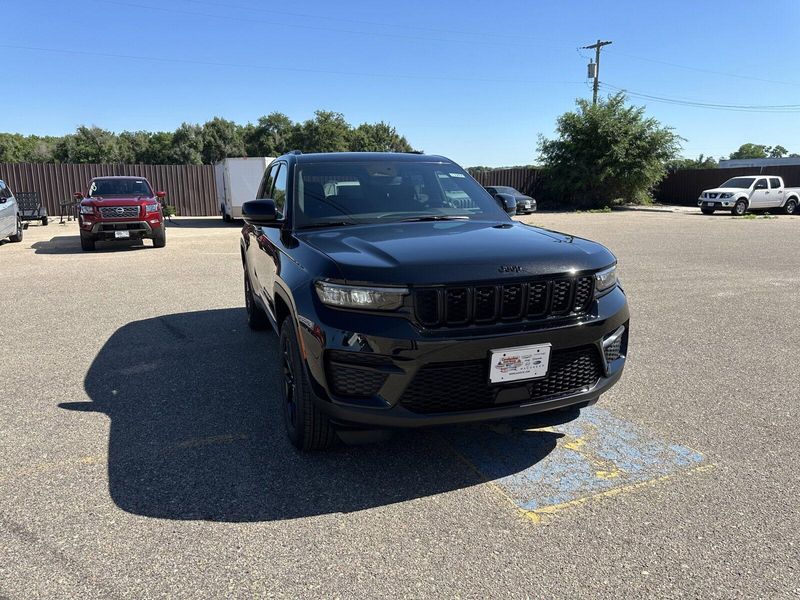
{"points": [[10, 221]]}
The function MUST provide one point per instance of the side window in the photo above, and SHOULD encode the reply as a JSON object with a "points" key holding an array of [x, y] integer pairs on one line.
{"points": [[761, 184], [279, 191], [265, 188], [3, 190], [774, 182]]}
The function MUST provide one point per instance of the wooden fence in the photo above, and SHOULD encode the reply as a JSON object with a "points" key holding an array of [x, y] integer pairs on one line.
{"points": [[190, 188]]}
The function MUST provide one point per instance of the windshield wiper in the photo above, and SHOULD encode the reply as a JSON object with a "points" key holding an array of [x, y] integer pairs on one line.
{"points": [[436, 218], [330, 224]]}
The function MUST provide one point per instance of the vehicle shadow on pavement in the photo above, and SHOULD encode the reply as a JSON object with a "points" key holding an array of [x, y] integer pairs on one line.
{"points": [[196, 432], [71, 244], [205, 223]]}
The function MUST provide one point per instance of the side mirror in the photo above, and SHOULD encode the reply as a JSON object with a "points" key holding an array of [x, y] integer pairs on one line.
{"points": [[77, 196], [259, 212], [3, 200], [507, 203], [161, 195]]}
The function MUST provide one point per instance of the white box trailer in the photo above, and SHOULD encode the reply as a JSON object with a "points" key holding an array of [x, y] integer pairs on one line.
{"points": [[237, 182]]}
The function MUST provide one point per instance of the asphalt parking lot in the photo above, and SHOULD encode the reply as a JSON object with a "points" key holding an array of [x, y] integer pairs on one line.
{"points": [[143, 453]]}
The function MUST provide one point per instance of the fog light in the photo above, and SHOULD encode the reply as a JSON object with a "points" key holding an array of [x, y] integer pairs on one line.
{"points": [[612, 345]]}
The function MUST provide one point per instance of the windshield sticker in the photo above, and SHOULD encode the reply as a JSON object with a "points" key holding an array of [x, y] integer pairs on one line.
{"points": [[456, 175]]}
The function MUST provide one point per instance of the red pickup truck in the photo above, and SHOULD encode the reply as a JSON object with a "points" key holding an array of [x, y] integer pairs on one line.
{"points": [[120, 208]]}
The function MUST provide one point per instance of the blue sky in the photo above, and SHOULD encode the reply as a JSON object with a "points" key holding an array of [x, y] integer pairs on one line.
{"points": [[475, 81]]}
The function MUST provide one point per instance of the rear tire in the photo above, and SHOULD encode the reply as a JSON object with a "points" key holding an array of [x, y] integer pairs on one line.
{"points": [[160, 238], [307, 427], [87, 242], [256, 317], [739, 208], [791, 207], [45, 221], [707, 211], [17, 237]]}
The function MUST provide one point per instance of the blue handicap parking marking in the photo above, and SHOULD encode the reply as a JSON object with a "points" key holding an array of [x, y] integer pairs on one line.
{"points": [[544, 465]]}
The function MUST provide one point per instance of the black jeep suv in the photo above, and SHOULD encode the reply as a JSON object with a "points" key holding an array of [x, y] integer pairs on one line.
{"points": [[405, 296]]}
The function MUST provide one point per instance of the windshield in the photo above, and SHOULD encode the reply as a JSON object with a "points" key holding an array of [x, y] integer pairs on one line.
{"points": [[119, 187], [504, 189], [738, 182], [388, 191]]}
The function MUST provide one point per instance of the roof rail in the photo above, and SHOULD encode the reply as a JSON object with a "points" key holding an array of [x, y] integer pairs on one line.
{"points": [[295, 152]]}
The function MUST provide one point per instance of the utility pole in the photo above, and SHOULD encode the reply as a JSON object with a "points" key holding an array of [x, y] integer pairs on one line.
{"points": [[596, 47]]}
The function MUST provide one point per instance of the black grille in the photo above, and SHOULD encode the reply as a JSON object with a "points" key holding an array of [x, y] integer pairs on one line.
{"points": [[463, 386], [452, 306], [353, 374]]}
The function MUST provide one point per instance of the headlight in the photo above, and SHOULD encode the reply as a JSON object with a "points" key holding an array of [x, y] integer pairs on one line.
{"points": [[151, 208], [605, 280], [726, 195], [370, 298], [87, 209]]}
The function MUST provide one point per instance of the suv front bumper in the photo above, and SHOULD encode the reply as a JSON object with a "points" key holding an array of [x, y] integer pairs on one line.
{"points": [[106, 230], [422, 378]]}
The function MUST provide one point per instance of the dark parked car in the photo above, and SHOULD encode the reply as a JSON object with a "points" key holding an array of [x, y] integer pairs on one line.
{"points": [[525, 204], [396, 307]]}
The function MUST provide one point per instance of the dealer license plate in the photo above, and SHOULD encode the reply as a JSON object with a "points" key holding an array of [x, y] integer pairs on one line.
{"points": [[523, 362], [122, 234]]}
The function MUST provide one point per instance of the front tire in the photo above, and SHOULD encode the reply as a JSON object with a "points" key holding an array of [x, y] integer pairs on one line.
{"points": [[160, 238], [87, 242], [791, 207], [17, 237], [45, 221], [307, 427], [739, 208]]}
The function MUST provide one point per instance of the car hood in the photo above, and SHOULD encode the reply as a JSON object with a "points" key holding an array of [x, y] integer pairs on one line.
{"points": [[724, 191], [452, 252]]}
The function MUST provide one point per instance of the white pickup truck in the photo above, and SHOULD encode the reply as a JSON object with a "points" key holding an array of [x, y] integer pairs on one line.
{"points": [[750, 192]]}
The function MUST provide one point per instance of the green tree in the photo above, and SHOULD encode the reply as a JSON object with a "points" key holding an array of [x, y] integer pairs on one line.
{"points": [[750, 151], [377, 137], [701, 162], [187, 145], [221, 139], [326, 132], [271, 136], [777, 151], [89, 145], [606, 153]]}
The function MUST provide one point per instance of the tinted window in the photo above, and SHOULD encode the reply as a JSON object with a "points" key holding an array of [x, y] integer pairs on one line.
{"points": [[761, 184], [279, 191], [774, 182], [3, 192], [265, 189], [387, 191], [119, 187], [738, 182]]}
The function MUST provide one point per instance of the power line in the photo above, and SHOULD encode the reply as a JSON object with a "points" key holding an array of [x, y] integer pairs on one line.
{"points": [[385, 75], [295, 25], [761, 108], [704, 70]]}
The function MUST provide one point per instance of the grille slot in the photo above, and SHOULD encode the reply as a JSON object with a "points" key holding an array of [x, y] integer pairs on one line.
{"points": [[462, 305], [463, 386], [456, 305], [119, 212], [354, 374]]}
